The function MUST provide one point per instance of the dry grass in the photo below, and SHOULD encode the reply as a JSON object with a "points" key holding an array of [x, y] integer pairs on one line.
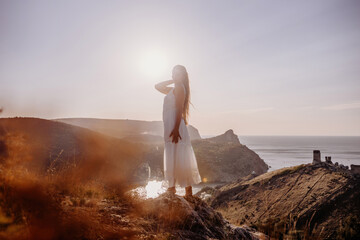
{"points": [[61, 203], [280, 229]]}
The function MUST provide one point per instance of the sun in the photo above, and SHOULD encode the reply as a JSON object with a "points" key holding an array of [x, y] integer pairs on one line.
{"points": [[154, 64]]}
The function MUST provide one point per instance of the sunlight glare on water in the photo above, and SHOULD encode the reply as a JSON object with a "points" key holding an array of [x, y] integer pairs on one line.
{"points": [[154, 188]]}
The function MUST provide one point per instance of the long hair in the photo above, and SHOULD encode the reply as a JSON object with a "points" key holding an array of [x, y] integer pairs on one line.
{"points": [[187, 102]]}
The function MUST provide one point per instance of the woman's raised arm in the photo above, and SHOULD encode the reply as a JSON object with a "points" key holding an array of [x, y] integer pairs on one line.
{"points": [[162, 86]]}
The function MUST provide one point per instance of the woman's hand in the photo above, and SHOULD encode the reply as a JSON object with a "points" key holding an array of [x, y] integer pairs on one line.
{"points": [[176, 135]]}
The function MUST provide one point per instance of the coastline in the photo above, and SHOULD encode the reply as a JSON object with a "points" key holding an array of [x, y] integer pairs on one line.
{"points": [[287, 151]]}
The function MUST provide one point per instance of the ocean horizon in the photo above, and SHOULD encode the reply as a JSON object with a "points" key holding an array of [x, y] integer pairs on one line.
{"points": [[285, 151]]}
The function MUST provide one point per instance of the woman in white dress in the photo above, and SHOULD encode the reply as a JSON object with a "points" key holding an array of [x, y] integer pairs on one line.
{"points": [[180, 165]]}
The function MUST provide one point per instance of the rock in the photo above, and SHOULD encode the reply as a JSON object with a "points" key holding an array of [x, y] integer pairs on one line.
{"points": [[193, 132], [205, 192], [328, 159], [355, 168], [143, 171], [192, 218], [224, 159], [322, 192], [227, 137]]}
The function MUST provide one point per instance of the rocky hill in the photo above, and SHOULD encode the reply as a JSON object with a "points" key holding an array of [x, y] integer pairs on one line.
{"points": [[89, 196], [318, 201], [38, 209], [51, 146], [224, 159], [228, 137], [134, 130], [220, 159], [191, 218], [83, 192], [53, 143]]}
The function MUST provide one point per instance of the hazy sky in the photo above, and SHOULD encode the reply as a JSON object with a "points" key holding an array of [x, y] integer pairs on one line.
{"points": [[257, 67]]}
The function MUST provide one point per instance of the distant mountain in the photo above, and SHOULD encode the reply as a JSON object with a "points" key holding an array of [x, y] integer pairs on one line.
{"points": [[134, 130]]}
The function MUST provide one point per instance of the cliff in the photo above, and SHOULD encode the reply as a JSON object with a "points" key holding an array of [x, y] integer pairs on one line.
{"points": [[224, 159], [319, 201], [228, 137]]}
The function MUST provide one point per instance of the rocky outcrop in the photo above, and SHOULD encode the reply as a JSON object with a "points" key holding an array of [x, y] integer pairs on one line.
{"points": [[193, 132], [192, 218], [355, 169], [224, 159], [321, 201], [228, 137]]}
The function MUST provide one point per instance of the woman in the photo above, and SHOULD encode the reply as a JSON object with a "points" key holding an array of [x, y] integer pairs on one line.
{"points": [[180, 164]]}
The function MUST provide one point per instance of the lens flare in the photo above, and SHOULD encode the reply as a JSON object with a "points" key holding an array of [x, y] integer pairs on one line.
{"points": [[154, 64]]}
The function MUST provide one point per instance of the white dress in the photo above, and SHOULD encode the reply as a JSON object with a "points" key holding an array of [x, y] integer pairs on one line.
{"points": [[180, 165]]}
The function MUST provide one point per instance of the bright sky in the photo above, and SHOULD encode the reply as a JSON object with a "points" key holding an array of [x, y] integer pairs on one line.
{"points": [[257, 67]]}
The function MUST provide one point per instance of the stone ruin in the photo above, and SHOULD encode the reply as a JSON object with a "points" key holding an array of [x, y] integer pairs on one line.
{"points": [[317, 159], [328, 159], [316, 156], [355, 168]]}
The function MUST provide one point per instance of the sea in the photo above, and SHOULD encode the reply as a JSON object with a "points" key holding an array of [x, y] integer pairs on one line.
{"points": [[287, 151], [279, 152]]}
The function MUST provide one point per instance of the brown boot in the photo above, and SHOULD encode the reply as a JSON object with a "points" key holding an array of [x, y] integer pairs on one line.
{"points": [[171, 190], [188, 191]]}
